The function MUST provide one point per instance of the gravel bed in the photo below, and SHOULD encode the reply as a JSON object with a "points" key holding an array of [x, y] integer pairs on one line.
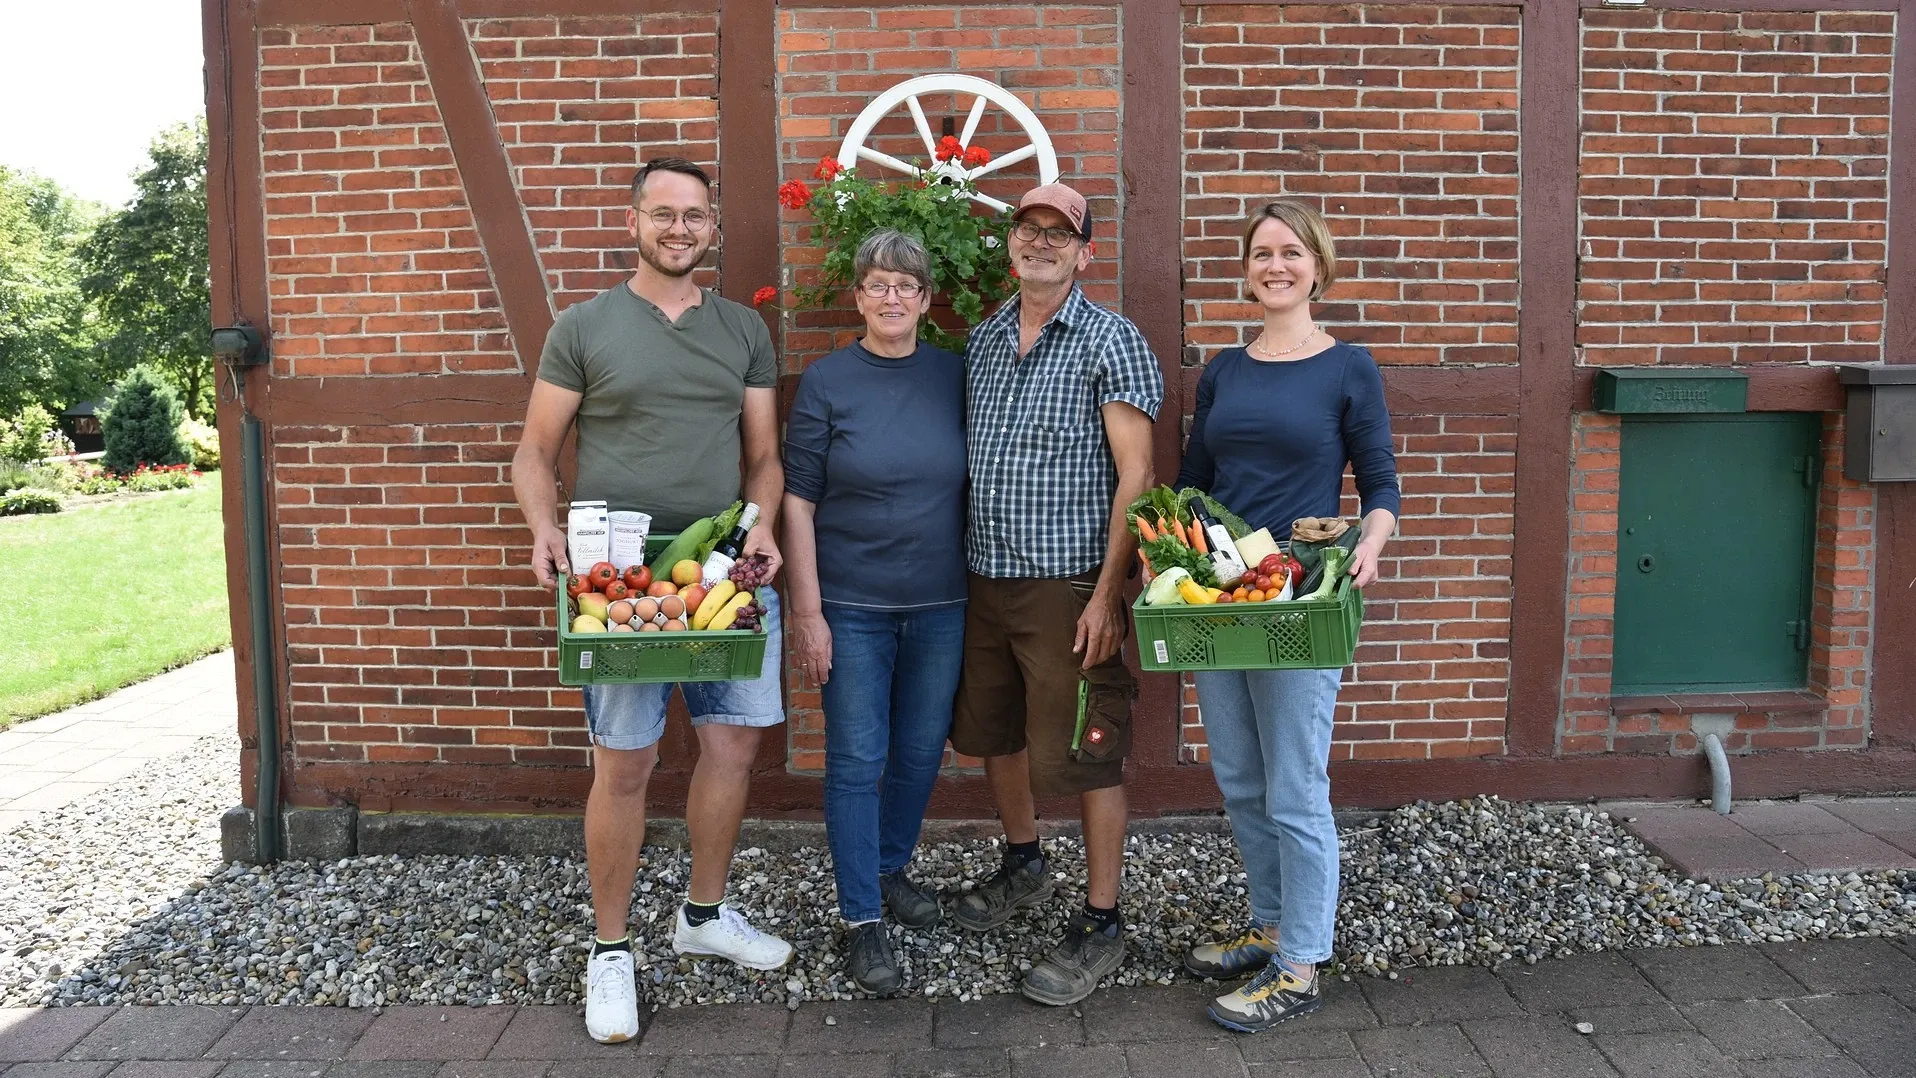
{"points": [[122, 899]]}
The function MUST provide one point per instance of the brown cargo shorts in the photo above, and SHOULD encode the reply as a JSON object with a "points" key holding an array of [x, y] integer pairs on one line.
{"points": [[1019, 688]]}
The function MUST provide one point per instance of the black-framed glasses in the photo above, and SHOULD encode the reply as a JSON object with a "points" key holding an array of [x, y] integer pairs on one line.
{"points": [[1053, 237], [906, 290], [695, 220]]}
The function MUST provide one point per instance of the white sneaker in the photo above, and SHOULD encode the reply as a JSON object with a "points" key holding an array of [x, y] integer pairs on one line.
{"points": [[611, 999], [729, 936]]}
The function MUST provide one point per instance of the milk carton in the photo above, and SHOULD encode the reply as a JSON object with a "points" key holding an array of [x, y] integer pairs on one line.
{"points": [[629, 531], [588, 536]]}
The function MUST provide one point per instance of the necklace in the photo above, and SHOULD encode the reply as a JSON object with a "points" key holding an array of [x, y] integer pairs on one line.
{"points": [[1260, 346]]}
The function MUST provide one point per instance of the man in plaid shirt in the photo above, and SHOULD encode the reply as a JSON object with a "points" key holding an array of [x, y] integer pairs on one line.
{"points": [[1061, 394]]}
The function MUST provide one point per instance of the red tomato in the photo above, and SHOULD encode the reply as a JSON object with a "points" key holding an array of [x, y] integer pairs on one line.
{"points": [[601, 574], [576, 586], [1224, 597], [1263, 582], [638, 578], [616, 590]]}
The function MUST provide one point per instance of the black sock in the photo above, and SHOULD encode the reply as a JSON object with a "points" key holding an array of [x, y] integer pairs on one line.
{"points": [[1019, 854], [697, 913], [623, 943], [1106, 919]]}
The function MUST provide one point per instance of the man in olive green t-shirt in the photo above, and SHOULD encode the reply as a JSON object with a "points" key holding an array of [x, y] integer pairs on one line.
{"points": [[672, 388]]}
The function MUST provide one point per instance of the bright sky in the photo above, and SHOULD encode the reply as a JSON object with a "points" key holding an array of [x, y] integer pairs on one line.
{"points": [[86, 84]]}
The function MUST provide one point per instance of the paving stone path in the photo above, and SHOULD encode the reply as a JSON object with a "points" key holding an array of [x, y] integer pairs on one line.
{"points": [[1837, 1009], [56, 759]]}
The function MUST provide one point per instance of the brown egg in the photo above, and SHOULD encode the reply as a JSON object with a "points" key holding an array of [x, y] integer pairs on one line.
{"points": [[648, 627], [672, 607], [618, 613], [645, 609], [674, 626], [622, 627]]}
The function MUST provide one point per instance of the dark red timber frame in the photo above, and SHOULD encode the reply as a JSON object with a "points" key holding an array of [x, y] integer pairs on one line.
{"points": [[1544, 391]]}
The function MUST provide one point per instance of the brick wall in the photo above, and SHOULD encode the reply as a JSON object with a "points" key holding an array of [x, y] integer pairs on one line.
{"points": [[1734, 186], [1430, 678], [412, 634], [1832, 714], [373, 261], [1063, 62], [1400, 123], [580, 103]]}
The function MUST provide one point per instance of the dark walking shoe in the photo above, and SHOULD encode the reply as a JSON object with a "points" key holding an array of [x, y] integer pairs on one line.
{"points": [[1225, 959], [1005, 893], [873, 966], [910, 905], [1073, 969], [1274, 995]]}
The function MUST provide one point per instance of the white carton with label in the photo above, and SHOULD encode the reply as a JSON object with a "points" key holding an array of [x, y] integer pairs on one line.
{"points": [[629, 532], [588, 535]]}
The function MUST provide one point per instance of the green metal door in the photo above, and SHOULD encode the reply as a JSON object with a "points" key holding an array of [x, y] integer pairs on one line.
{"points": [[1716, 531]]}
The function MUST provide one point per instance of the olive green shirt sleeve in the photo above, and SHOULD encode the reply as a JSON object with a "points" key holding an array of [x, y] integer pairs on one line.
{"points": [[761, 367], [561, 361]]}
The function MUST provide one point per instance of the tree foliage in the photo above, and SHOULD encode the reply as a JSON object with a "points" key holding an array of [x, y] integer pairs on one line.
{"points": [[146, 271], [45, 333], [142, 423]]}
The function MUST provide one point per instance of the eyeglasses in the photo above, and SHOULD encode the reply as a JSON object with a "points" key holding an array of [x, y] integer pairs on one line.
{"points": [[1053, 237], [695, 220], [877, 289]]}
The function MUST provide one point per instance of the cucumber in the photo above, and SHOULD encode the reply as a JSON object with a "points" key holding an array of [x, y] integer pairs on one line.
{"points": [[685, 546]]}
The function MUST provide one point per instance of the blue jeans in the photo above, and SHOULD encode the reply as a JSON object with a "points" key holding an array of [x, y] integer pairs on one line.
{"points": [[887, 714], [1270, 738]]}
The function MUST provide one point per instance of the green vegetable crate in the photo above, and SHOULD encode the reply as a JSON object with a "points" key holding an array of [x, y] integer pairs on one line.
{"points": [[635, 658], [1294, 634]]}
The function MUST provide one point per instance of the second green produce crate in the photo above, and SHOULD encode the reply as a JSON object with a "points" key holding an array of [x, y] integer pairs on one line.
{"points": [[638, 658], [1296, 634]]}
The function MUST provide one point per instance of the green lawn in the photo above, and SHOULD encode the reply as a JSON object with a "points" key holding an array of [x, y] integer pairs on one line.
{"points": [[101, 596]]}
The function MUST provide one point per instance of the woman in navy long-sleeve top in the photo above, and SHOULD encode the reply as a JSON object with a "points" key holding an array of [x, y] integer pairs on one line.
{"points": [[1275, 426]]}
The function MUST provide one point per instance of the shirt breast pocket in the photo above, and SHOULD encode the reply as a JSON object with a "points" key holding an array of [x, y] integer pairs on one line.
{"points": [[1061, 413]]}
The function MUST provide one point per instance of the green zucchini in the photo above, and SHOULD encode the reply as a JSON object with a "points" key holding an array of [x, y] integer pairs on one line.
{"points": [[685, 546]]}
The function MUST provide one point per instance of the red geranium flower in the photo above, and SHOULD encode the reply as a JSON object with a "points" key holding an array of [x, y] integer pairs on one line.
{"points": [[793, 194], [828, 167], [976, 156], [949, 147], [763, 295]]}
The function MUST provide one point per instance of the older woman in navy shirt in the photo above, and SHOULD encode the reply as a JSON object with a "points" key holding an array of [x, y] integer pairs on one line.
{"points": [[1275, 425], [875, 579]]}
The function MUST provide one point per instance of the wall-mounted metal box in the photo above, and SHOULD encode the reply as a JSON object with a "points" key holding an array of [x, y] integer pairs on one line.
{"points": [[1879, 444], [1670, 390]]}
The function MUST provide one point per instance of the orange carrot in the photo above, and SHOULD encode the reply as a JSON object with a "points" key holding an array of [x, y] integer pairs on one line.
{"points": [[1145, 531], [1183, 536], [1146, 562], [1197, 538]]}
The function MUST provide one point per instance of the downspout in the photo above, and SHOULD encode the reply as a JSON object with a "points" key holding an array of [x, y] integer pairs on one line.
{"points": [[1719, 773], [266, 844]]}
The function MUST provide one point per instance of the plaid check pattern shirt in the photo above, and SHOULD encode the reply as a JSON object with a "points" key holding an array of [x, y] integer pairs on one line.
{"points": [[1042, 477]]}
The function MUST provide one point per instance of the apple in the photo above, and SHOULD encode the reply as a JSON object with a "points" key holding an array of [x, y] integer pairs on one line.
{"points": [[662, 588], [693, 596], [686, 572], [638, 578], [601, 574]]}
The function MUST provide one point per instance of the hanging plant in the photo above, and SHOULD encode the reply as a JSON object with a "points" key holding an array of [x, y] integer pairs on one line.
{"points": [[970, 266]]}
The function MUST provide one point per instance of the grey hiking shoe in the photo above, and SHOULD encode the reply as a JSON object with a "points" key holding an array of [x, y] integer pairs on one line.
{"points": [[873, 966], [1005, 893], [1074, 968], [908, 903]]}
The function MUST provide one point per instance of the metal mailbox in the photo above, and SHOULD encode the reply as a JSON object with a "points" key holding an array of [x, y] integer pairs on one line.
{"points": [[1880, 439]]}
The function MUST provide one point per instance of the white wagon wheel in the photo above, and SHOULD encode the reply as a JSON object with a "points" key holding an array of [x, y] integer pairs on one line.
{"points": [[984, 93]]}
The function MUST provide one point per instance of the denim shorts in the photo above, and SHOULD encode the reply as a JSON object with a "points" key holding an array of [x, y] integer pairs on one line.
{"points": [[633, 716]]}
